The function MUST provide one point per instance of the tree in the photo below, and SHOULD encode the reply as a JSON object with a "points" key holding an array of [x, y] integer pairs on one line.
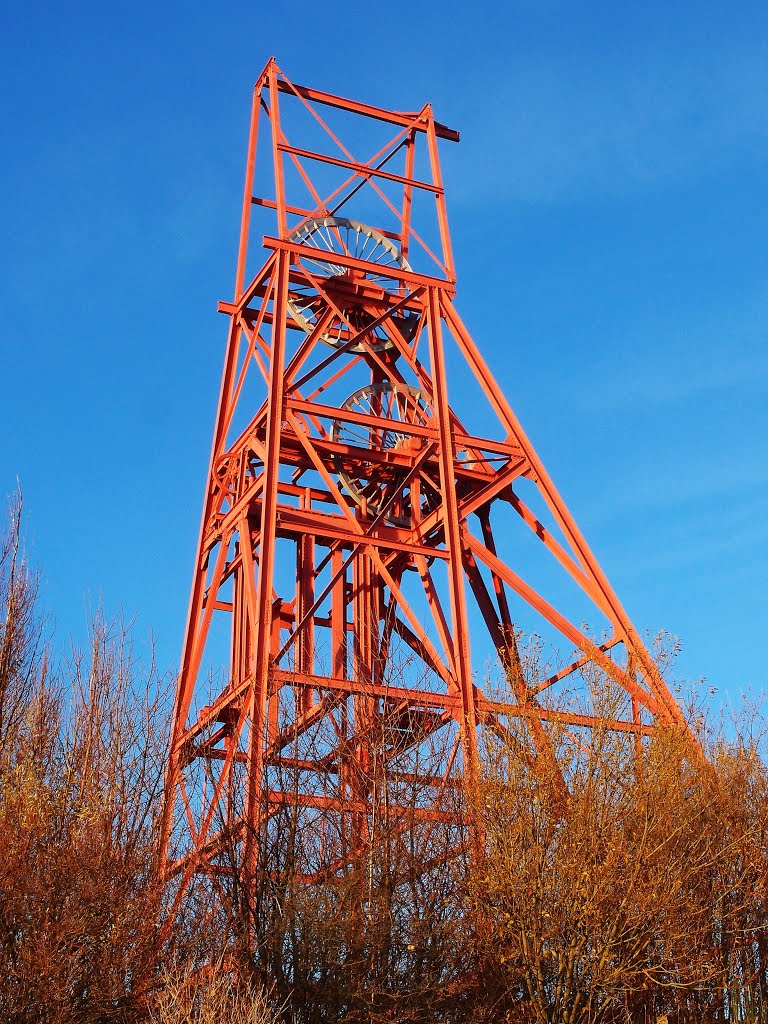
{"points": [[22, 632], [82, 750], [619, 900]]}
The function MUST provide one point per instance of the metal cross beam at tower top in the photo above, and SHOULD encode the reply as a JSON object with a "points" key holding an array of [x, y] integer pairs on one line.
{"points": [[375, 524]]}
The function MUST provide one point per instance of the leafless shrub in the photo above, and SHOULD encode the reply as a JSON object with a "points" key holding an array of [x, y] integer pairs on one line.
{"points": [[209, 995], [618, 901], [21, 629]]}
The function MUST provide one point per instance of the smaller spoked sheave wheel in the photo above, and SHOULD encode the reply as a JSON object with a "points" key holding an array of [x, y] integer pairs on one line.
{"points": [[385, 485], [350, 312]]}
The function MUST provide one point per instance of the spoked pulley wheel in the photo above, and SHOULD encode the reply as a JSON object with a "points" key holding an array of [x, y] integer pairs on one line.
{"points": [[384, 485], [346, 286]]}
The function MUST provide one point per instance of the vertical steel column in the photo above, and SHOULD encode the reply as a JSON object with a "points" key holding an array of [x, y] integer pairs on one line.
{"points": [[462, 665], [262, 626], [339, 615], [305, 598], [250, 166]]}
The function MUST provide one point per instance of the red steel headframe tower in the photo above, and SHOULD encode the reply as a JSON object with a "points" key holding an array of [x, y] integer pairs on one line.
{"points": [[372, 504]]}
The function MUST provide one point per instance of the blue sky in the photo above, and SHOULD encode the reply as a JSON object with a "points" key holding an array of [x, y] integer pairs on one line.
{"points": [[609, 220]]}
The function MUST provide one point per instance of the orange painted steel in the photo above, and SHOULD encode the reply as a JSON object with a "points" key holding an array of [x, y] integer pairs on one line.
{"points": [[360, 542]]}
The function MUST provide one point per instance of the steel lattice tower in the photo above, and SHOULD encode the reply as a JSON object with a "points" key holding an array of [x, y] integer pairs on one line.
{"points": [[372, 505]]}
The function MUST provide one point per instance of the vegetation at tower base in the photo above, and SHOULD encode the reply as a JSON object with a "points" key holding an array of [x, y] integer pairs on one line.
{"points": [[387, 936], [80, 767], [639, 893], [643, 893]]}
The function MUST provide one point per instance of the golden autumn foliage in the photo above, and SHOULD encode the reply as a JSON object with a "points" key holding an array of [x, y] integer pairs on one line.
{"points": [[80, 770], [632, 886], [641, 892]]}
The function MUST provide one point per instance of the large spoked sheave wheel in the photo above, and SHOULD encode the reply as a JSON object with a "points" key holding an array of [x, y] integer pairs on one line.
{"points": [[341, 236], [381, 486]]}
